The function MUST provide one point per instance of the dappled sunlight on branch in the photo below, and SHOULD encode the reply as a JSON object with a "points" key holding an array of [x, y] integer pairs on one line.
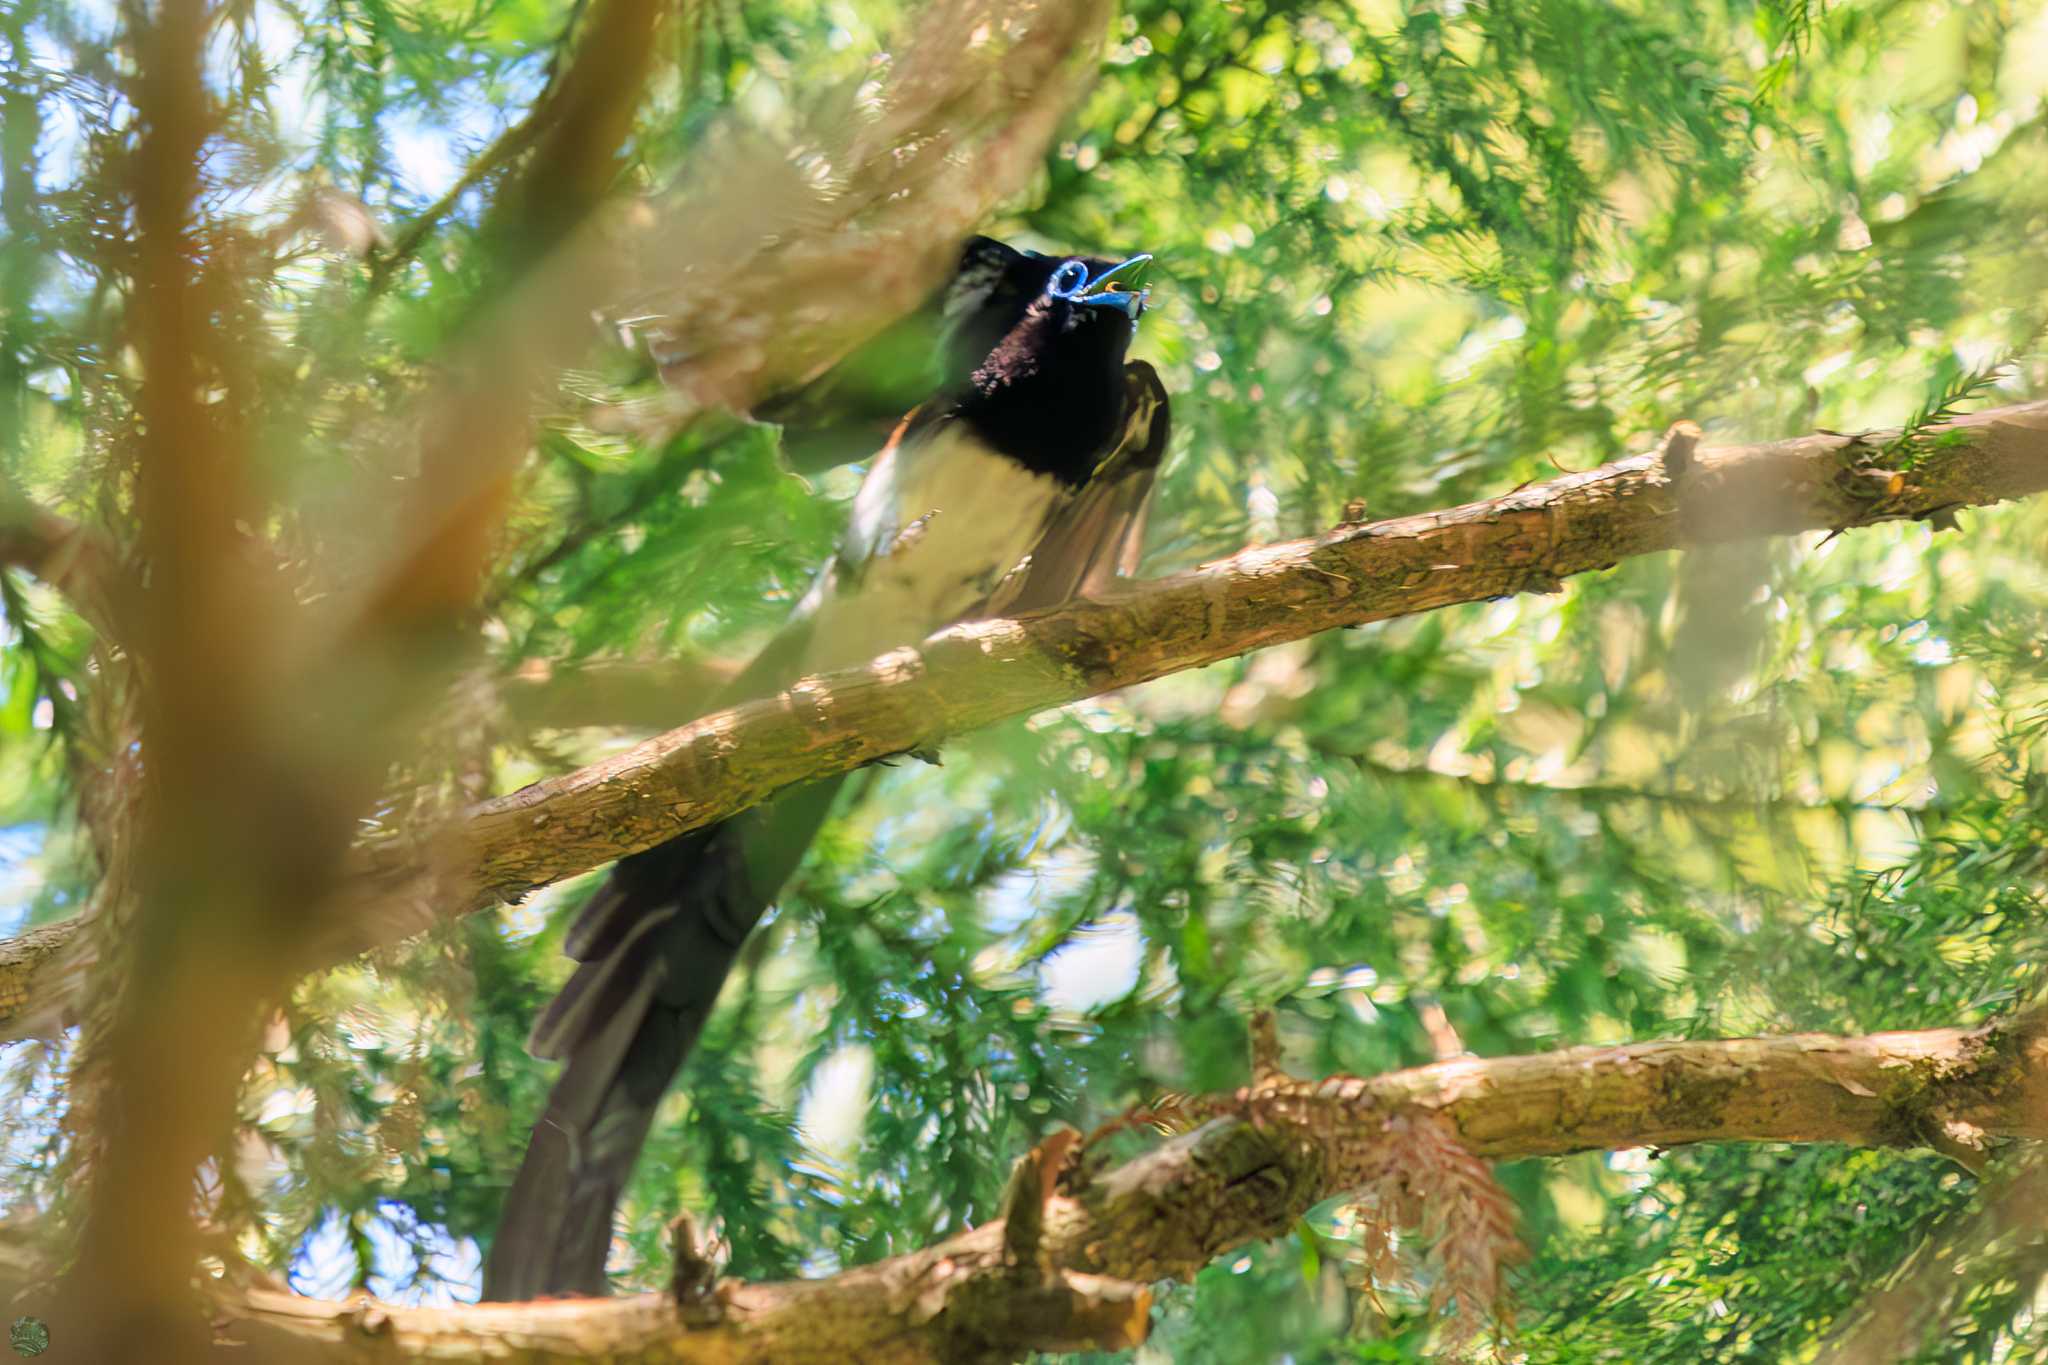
{"points": [[1409, 1151], [979, 672]]}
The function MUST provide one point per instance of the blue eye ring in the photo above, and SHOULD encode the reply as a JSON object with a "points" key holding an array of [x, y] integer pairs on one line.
{"points": [[1072, 284], [1069, 280]]}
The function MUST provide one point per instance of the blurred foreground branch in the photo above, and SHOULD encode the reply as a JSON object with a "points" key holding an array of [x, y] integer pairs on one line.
{"points": [[1999, 1240], [981, 672], [247, 816], [848, 225], [273, 705], [1264, 1157], [70, 558]]}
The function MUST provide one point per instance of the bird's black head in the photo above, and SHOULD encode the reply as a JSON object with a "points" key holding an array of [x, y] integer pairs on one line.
{"points": [[1041, 341]]}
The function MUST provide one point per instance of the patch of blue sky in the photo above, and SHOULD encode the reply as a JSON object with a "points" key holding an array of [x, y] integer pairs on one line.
{"points": [[430, 133], [1018, 896], [433, 140], [31, 1103], [833, 1112], [239, 195], [62, 288], [1097, 965], [275, 33], [21, 874], [97, 21], [411, 1263], [427, 153], [324, 1266], [61, 150], [297, 107], [262, 35], [49, 45]]}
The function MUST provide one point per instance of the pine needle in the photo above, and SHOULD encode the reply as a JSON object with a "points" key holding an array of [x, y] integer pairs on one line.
{"points": [[1957, 387]]}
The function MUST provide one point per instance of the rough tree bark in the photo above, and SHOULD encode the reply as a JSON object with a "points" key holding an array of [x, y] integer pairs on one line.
{"points": [[975, 674], [982, 672], [1269, 1154]]}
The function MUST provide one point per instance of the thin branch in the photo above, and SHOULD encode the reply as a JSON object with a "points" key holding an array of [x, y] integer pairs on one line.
{"points": [[542, 229], [1999, 1238], [71, 558], [1271, 1153], [504, 149], [1698, 804], [508, 146], [986, 671]]}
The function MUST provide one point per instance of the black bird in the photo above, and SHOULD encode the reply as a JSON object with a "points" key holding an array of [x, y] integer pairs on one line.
{"points": [[1021, 484]]}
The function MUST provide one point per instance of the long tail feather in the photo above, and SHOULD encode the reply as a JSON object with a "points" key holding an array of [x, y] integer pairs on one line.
{"points": [[655, 946]]}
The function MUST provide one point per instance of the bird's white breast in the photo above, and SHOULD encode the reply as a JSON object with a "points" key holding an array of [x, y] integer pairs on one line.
{"points": [[938, 522]]}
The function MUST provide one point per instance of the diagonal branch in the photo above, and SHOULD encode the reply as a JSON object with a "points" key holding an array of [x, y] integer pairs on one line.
{"points": [[1273, 1152], [982, 672], [69, 557], [543, 259], [1999, 1239]]}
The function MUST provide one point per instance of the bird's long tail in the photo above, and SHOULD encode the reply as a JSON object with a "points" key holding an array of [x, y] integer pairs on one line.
{"points": [[654, 946]]}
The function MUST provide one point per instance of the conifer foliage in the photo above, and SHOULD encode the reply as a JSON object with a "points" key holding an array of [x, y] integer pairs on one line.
{"points": [[401, 403]]}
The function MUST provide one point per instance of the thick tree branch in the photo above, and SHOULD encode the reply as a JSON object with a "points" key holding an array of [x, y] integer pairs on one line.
{"points": [[1271, 1153], [22, 960], [982, 672]]}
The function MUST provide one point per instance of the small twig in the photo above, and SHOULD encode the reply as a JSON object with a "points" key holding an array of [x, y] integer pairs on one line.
{"points": [[1911, 444], [506, 147], [385, 265], [1265, 1049], [1031, 1185], [1679, 443], [694, 1280]]}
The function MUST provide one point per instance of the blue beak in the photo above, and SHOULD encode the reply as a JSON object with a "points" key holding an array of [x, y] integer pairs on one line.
{"points": [[1091, 292]]}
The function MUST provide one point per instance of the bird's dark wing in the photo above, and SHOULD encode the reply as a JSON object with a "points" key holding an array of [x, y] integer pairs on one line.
{"points": [[1098, 535]]}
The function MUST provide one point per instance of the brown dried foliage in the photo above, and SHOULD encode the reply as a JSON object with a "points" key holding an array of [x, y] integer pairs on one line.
{"points": [[1408, 1170]]}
